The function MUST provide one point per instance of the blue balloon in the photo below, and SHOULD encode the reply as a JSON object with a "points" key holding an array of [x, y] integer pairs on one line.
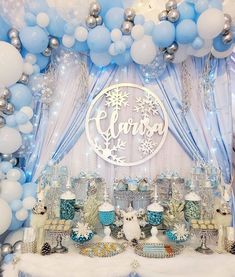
{"points": [[219, 45], [148, 27], [22, 177], [42, 61], [81, 46], [16, 205], [123, 59], [20, 96], [164, 34], [100, 59], [198, 43], [186, 11], [69, 29], [29, 189], [107, 5], [21, 118], [127, 40], [139, 19], [217, 4], [4, 29], [201, 6], [114, 18], [186, 31], [120, 47], [11, 121], [34, 39], [30, 19], [37, 6], [99, 39], [5, 166], [56, 24], [8, 258]]}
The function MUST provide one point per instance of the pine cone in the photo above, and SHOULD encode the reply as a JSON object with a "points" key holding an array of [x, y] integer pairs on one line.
{"points": [[232, 251], [46, 249]]}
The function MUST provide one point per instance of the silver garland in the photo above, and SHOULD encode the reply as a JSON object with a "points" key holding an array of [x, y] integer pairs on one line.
{"points": [[186, 82]]}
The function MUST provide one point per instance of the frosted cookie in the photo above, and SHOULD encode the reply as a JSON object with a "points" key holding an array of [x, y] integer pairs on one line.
{"points": [[55, 221], [47, 227], [211, 226], [200, 221], [207, 222], [60, 227], [193, 221], [62, 221], [195, 226], [68, 222], [66, 227], [53, 227], [48, 221], [203, 226]]}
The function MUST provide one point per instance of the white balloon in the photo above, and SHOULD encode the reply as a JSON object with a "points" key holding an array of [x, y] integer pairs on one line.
{"points": [[11, 64], [116, 35], [6, 216], [30, 58], [181, 53], [143, 51], [201, 52], [28, 111], [221, 55], [15, 236], [68, 41], [13, 174], [28, 68], [10, 190], [81, 34], [29, 203], [22, 214], [137, 32], [10, 140], [210, 23], [26, 128], [43, 20]]}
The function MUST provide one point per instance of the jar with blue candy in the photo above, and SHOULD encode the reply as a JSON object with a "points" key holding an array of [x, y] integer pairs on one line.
{"points": [[106, 214], [155, 214], [192, 208], [67, 204]]}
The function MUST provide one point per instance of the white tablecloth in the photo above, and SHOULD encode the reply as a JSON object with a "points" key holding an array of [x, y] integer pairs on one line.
{"points": [[188, 263]]}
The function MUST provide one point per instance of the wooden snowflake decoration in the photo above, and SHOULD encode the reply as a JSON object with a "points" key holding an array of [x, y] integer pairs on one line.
{"points": [[116, 98]]}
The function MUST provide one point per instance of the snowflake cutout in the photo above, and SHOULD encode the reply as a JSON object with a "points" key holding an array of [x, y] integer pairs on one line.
{"points": [[116, 98], [108, 151], [180, 231], [147, 146], [147, 106]]}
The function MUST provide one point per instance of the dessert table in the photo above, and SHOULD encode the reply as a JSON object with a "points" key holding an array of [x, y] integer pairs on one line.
{"points": [[188, 263]]}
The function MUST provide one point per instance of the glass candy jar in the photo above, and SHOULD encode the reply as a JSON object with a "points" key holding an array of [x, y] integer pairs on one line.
{"points": [[67, 205], [155, 214], [106, 214], [192, 206]]}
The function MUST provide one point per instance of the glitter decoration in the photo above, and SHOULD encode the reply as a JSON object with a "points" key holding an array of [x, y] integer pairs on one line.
{"points": [[186, 83]]}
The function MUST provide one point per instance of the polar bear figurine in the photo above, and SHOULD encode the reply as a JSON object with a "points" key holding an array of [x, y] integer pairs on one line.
{"points": [[131, 227]]}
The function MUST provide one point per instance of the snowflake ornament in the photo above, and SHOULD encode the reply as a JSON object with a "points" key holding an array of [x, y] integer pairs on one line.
{"points": [[181, 232], [116, 98], [147, 106], [147, 146]]}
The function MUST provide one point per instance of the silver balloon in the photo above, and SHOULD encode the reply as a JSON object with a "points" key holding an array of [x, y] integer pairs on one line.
{"points": [[6, 249], [228, 18], [228, 38], [17, 247], [54, 43], [5, 93], [227, 27], [172, 48], [95, 9], [90, 22], [3, 104], [127, 27], [47, 52], [173, 16], [162, 15], [16, 43], [13, 33], [24, 79], [129, 14], [162, 49], [2, 121], [170, 5], [9, 109], [99, 20], [6, 157], [168, 57], [13, 161]]}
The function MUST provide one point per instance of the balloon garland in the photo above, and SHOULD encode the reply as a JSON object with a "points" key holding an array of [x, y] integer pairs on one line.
{"points": [[109, 33]]}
